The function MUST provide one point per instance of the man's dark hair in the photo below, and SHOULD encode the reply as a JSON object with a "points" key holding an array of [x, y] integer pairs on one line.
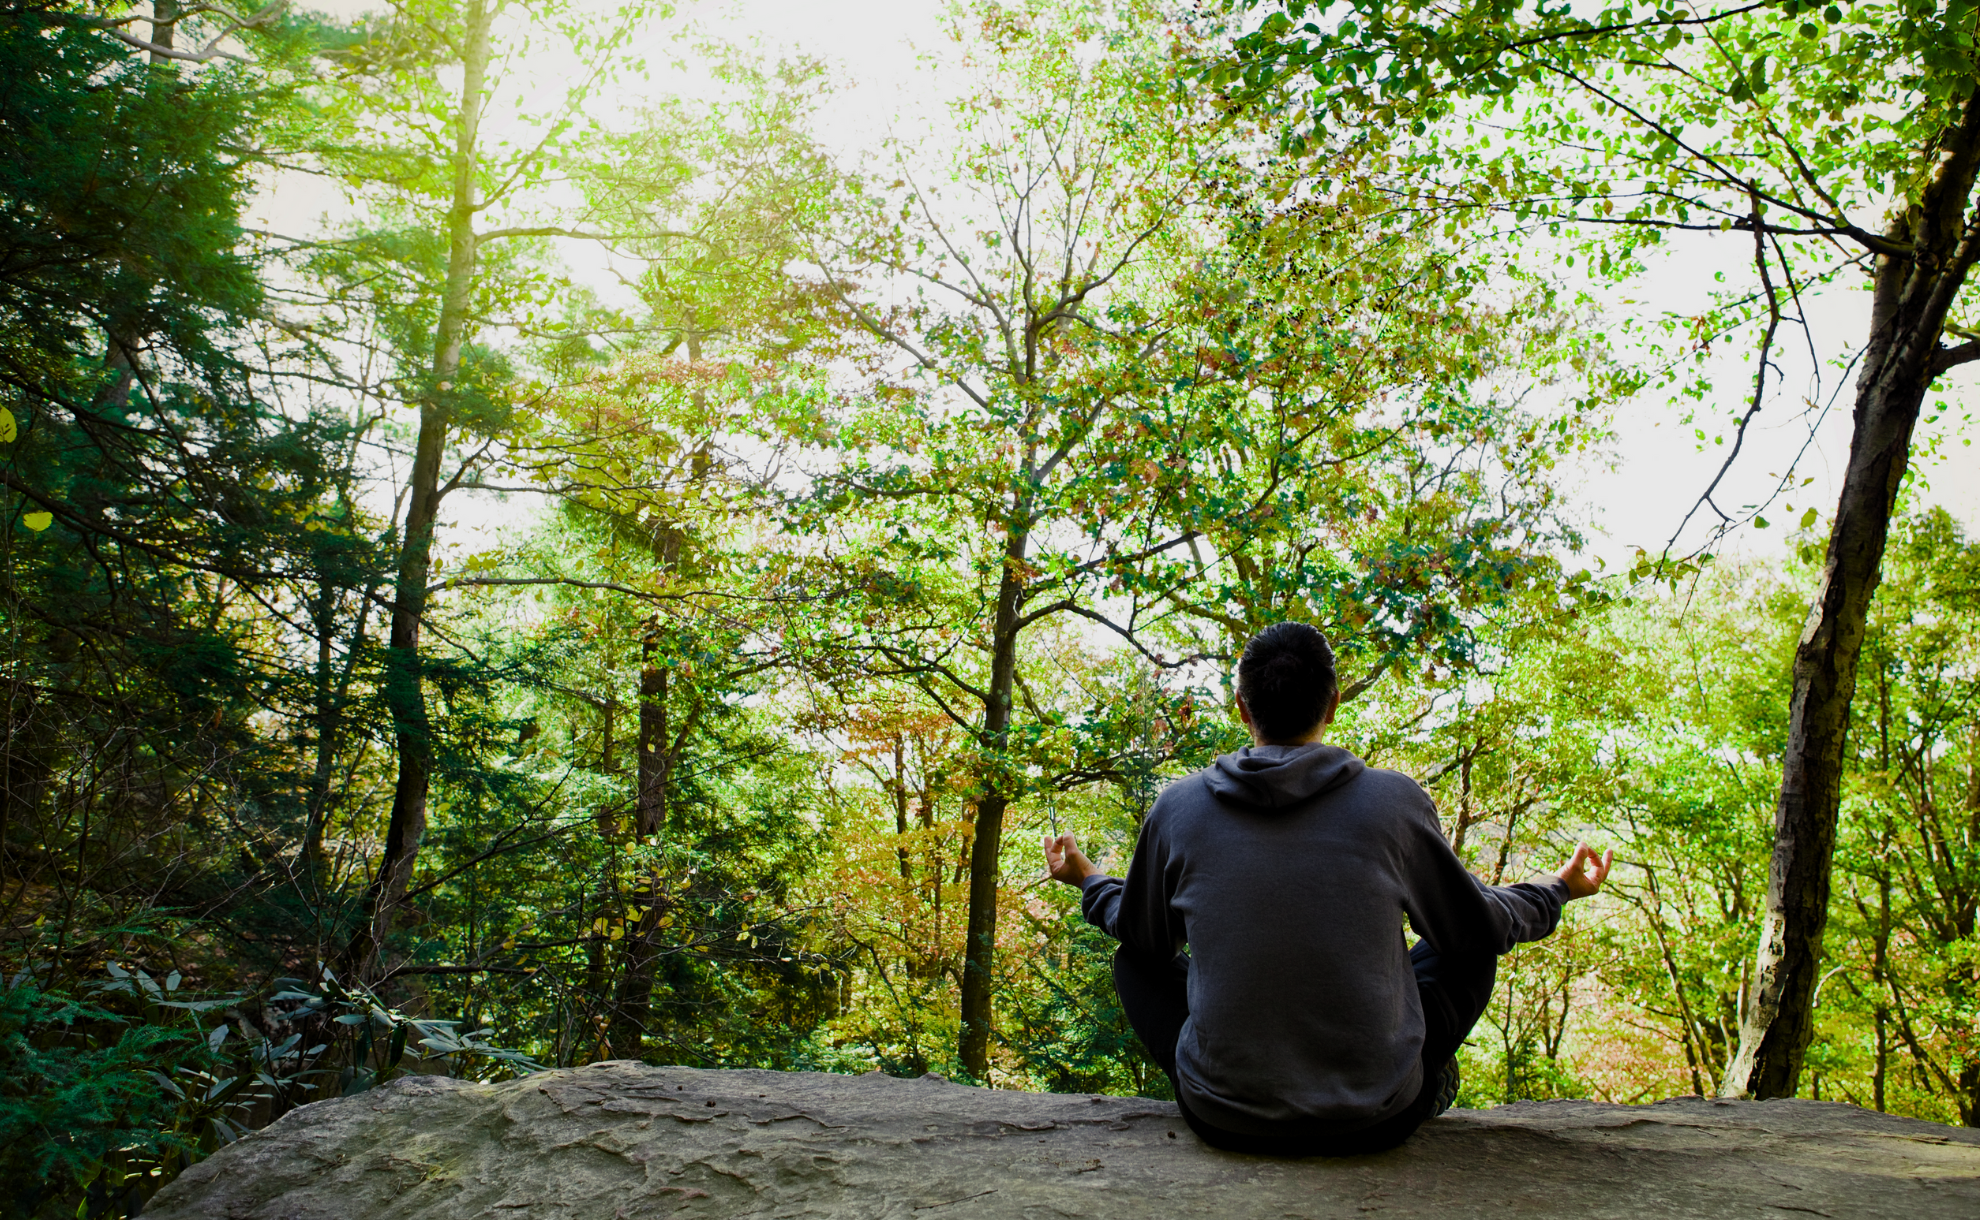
{"points": [[1286, 677]]}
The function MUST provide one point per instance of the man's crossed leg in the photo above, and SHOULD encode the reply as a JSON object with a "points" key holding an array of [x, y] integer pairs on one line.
{"points": [[1454, 994]]}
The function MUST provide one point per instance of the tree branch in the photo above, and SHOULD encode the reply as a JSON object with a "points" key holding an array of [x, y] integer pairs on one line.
{"points": [[205, 54], [1953, 357]]}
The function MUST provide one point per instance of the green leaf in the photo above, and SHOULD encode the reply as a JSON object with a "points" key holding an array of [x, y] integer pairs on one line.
{"points": [[1807, 519], [37, 521], [8, 429], [1761, 522]]}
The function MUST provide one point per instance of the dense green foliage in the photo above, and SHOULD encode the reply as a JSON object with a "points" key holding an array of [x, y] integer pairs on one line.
{"points": [[898, 513]]}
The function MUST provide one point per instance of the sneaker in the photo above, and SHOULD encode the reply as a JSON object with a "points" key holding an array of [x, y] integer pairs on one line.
{"points": [[1448, 1082]]}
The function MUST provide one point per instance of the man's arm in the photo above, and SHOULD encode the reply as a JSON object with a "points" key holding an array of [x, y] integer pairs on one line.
{"points": [[1455, 911], [1533, 908], [1134, 911], [1099, 901]]}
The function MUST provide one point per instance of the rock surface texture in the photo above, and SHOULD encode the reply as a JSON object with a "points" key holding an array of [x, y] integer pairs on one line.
{"points": [[620, 1141]]}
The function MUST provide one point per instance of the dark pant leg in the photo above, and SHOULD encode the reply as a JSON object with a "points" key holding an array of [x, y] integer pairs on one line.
{"points": [[1454, 992], [1156, 1001]]}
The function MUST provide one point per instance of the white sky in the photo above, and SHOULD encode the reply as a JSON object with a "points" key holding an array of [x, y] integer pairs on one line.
{"points": [[1647, 480]]}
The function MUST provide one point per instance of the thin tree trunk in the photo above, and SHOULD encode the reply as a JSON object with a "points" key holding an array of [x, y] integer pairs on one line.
{"points": [[901, 810], [980, 945], [658, 746], [323, 616], [632, 1007], [1880, 975], [650, 802], [1913, 293], [404, 688], [332, 696], [1969, 1072]]}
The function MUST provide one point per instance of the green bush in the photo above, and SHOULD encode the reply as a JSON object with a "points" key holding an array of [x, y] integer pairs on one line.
{"points": [[86, 1118]]}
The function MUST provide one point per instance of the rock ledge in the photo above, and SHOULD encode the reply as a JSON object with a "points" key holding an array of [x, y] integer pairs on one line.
{"points": [[621, 1141]]}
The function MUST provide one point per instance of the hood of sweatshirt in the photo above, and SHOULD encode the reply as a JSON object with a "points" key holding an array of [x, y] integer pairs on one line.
{"points": [[1279, 777]]}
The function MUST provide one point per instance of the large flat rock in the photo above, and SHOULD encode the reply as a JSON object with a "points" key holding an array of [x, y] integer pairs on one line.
{"points": [[621, 1141]]}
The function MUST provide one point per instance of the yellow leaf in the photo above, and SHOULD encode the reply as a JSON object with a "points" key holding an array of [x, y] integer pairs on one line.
{"points": [[8, 429], [37, 521]]}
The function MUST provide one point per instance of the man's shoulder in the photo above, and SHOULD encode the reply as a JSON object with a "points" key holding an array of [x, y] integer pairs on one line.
{"points": [[1395, 789], [1192, 793], [1388, 782], [1180, 797]]}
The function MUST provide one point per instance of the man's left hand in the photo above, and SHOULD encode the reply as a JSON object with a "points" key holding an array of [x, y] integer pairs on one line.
{"points": [[1582, 884]]}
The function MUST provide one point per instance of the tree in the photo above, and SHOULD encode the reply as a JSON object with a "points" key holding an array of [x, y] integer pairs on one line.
{"points": [[667, 455], [1125, 394], [174, 505], [643, 453], [710, 200], [405, 133], [1833, 143], [1910, 884]]}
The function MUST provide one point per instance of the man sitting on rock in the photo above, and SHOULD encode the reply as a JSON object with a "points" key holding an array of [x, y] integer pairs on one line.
{"points": [[1262, 960]]}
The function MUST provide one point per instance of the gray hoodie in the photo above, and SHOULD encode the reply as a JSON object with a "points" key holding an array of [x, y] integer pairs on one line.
{"points": [[1287, 871]]}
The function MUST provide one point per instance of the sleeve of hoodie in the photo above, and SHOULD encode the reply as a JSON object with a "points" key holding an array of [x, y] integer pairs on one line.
{"points": [[1136, 911], [1454, 910]]}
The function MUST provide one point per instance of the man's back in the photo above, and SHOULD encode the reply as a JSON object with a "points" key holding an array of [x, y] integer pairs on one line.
{"points": [[1287, 870]]}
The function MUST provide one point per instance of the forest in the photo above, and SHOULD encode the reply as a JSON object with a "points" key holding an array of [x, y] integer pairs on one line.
{"points": [[636, 579]]}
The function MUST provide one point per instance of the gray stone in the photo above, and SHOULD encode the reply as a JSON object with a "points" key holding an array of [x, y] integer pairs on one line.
{"points": [[620, 1141]]}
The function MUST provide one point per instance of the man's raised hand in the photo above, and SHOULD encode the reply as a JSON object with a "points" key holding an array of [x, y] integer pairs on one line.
{"points": [[1066, 861], [1583, 884]]}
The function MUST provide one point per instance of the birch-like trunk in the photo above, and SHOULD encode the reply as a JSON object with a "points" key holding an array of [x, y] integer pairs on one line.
{"points": [[1913, 292]]}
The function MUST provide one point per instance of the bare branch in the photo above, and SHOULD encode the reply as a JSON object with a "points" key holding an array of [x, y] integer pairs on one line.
{"points": [[211, 51], [1759, 375]]}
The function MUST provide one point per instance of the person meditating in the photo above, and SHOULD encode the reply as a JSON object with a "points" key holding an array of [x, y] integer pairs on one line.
{"points": [[1262, 959]]}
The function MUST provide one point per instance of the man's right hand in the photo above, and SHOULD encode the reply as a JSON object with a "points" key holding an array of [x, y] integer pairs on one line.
{"points": [[1066, 861]]}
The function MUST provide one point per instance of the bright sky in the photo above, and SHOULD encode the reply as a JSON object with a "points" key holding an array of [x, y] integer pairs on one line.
{"points": [[1643, 485]]}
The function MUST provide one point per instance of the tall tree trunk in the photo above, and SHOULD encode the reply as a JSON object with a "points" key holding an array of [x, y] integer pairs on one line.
{"points": [[404, 688], [1969, 914], [1913, 292], [632, 1008], [980, 946], [322, 619], [164, 23], [658, 747]]}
